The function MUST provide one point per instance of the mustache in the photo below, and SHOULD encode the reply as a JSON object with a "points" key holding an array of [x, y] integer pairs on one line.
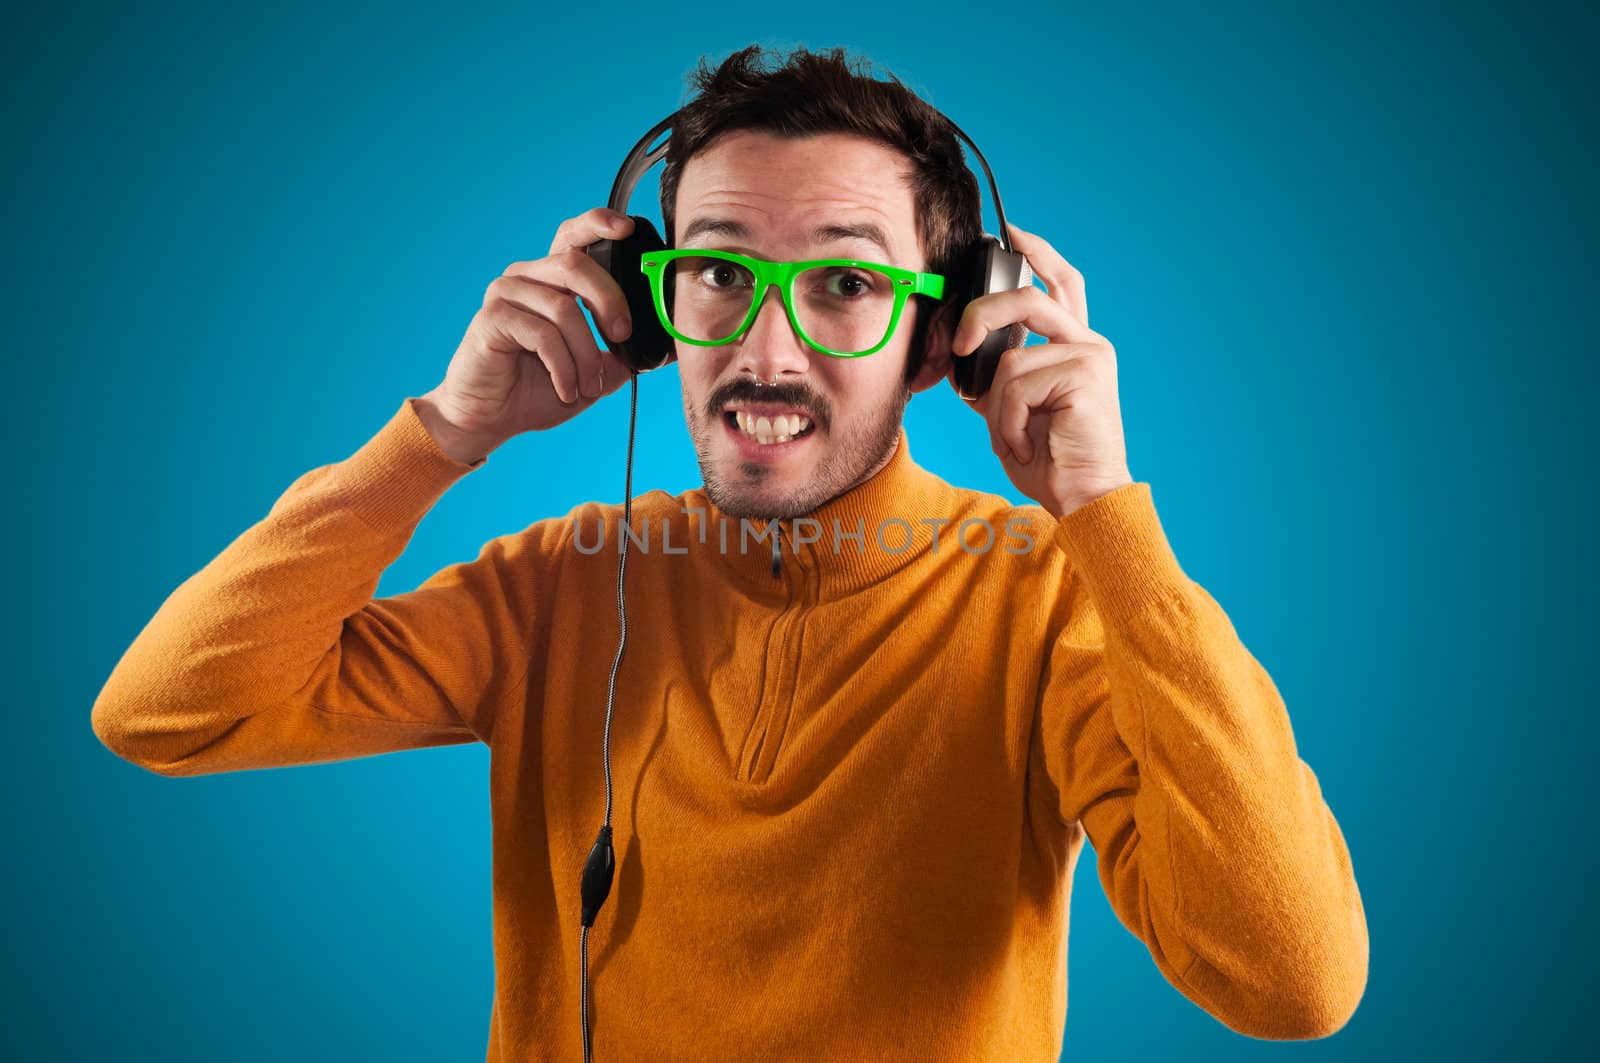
{"points": [[791, 393]]}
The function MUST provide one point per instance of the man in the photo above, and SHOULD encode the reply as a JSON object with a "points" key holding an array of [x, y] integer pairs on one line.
{"points": [[854, 777]]}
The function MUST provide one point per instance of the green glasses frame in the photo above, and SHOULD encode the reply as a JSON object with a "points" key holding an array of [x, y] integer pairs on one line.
{"points": [[781, 275]]}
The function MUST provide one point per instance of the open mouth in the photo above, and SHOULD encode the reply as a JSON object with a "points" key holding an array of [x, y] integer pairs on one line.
{"points": [[769, 429]]}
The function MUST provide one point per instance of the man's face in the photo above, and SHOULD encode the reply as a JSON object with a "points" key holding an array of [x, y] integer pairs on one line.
{"points": [[776, 198]]}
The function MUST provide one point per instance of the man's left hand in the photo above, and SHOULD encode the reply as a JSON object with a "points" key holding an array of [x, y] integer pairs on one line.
{"points": [[1052, 410]]}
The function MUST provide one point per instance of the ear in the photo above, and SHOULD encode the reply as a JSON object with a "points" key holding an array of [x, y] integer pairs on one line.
{"points": [[936, 354]]}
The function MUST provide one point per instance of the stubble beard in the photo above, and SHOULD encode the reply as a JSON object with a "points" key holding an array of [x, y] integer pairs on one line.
{"points": [[847, 459]]}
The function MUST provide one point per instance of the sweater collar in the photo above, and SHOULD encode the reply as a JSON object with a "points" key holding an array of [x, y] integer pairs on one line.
{"points": [[869, 532]]}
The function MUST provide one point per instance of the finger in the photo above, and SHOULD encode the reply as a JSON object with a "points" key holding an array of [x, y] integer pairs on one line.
{"points": [[561, 307], [1018, 389], [614, 373], [1042, 388], [600, 223], [980, 406], [538, 336], [577, 274], [1064, 280], [1027, 306], [1013, 362]]}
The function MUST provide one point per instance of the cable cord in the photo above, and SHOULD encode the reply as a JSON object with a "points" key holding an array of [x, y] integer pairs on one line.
{"points": [[598, 870]]}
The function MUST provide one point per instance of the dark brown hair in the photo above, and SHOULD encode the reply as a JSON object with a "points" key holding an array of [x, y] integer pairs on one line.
{"points": [[824, 92]]}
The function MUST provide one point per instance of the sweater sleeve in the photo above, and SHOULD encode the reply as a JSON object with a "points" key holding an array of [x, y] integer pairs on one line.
{"points": [[275, 653], [1170, 744]]}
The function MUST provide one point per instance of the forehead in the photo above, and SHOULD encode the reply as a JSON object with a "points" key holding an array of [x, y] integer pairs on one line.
{"points": [[782, 189]]}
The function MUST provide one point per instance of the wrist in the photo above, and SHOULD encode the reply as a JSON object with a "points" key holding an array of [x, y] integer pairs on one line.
{"points": [[466, 447], [1065, 506]]}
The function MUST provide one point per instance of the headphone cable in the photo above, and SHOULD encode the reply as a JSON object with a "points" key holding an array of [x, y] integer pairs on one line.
{"points": [[598, 869]]}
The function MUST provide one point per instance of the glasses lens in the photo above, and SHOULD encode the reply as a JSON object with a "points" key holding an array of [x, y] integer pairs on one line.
{"points": [[707, 298], [844, 308]]}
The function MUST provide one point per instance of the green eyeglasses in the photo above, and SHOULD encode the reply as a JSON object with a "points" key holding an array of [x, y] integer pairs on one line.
{"points": [[838, 306]]}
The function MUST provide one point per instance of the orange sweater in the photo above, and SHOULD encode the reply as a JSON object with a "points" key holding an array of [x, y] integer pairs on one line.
{"points": [[849, 798]]}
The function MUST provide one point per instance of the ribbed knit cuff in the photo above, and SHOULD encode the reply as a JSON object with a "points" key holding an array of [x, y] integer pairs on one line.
{"points": [[1119, 546], [398, 474]]}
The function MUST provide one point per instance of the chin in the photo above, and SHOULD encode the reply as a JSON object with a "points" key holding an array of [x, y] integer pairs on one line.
{"points": [[758, 493]]}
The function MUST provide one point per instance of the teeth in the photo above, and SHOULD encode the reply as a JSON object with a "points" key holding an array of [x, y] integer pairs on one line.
{"points": [[769, 430]]}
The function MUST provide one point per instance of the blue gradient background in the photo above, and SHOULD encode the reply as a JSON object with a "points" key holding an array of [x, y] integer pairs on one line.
{"points": [[1344, 253]]}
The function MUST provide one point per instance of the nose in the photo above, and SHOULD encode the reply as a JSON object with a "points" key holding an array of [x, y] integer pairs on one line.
{"points": [[770, 349]]}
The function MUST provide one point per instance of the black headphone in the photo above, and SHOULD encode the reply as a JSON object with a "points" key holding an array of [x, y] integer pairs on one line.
{"points": [[989, 265]]}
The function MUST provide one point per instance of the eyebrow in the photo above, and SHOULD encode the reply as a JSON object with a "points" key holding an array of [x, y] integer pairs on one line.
{"points": [[861, 230]]}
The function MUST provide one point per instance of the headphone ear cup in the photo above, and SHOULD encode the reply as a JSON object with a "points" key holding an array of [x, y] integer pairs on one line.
{"points": [[648, 346], [988, 268]]}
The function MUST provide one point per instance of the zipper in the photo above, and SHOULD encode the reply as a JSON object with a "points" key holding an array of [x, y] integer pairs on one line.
{"points": [[775, 699]]}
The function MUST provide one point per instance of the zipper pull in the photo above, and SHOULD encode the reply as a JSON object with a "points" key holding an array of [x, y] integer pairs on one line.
{"points": [[777, 563]]}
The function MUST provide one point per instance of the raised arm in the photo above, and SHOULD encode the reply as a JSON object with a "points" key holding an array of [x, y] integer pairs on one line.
{"points": [[275, 653], [1169, 742]]}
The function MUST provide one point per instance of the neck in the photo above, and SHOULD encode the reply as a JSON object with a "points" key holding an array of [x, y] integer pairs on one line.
{"points": [[890, 506]]}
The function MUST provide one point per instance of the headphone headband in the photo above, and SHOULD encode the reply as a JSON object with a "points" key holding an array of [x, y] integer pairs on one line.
{"points": [[641, 158]]}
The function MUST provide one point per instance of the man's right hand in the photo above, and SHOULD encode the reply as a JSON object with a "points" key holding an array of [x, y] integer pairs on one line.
{"points": [[529, 361]]}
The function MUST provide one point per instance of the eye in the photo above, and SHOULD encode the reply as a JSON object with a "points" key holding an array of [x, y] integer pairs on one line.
{"points": [[716, 273], [848, 283]]}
